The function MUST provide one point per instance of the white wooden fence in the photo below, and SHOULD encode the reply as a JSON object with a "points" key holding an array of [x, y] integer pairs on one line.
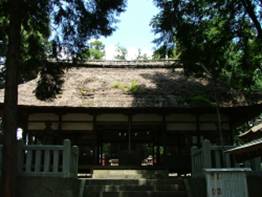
{"points": [[47, 160], [213, 156]]}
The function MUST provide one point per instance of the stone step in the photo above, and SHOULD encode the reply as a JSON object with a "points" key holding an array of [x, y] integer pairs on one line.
{"points": [[91, 181], [147, 187], [137, 194], [126, 187], [133, 174]]}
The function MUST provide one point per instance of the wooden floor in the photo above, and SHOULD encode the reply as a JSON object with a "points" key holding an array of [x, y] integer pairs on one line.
{"points": [[88, 168]]}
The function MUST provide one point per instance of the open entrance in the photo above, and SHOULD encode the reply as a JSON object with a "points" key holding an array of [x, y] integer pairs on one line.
{"points": [[120, 146], [117, 154]]}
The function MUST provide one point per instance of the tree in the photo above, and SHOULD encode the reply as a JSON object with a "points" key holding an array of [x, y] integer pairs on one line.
{"points": [[27, 26], [163, 53], [218, 39], [10, 108], [96, 51], [121, 53], [141, 56], [221, 37]]}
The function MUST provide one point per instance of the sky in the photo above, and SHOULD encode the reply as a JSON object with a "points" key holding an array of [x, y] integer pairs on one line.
{"points": [[133, 30]]}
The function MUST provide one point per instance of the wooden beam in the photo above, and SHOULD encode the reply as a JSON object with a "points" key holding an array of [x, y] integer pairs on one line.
{"points": [[198, 130]]}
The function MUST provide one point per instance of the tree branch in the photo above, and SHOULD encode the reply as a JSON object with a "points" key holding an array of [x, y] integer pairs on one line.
{"points": [[251, 12]]}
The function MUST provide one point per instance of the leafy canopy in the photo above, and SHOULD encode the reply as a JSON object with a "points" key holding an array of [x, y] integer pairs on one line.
{"points": [[55, 29], [220, 37], [121, 53], [59, 28], [96, 51]]}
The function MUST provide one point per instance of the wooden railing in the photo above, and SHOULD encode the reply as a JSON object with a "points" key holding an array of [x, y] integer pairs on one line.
{"points": [[47, 160], [197, 160], [213, 156]]}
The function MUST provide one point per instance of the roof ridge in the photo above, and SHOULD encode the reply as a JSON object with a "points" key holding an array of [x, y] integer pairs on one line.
{"points": [[167, 63]]}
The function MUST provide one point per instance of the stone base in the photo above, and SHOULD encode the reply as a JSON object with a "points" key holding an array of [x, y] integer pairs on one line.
{"points": [[47, 186], [129, 174]]}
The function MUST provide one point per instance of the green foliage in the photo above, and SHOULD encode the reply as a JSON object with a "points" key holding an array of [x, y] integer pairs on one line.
{"points": [[200, 100], [132, 87], [163, 52], [141, 56], [72, 23], [34, 36], [79, 21], [258, 81], [3, 36], [219, 39], [96, 51], [121, 53], [50, 82], [122, 86]]}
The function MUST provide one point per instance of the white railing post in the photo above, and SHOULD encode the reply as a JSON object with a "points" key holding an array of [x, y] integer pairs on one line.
{"points": [[227, 160], [46, 160], [217, 154], [194, 160], [28, 163], [74, 161], [257, 164], [38, 161], [206, 151], [247, 163], [55, 166], [66, 158]]}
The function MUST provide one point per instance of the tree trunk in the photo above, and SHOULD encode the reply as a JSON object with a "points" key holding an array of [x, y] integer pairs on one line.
{"points": [[10, 99], [219, 125], [251, 13]]}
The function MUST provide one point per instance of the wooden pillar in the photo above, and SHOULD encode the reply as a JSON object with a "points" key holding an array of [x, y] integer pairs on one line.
{"points": [[97, 140], [198, 130], [28, 133], [164, 133], [30, 138], [60, 133], [157, 140], [231, 131], [100, 150], [153, 149], [129, 132], [25, 127], [206, 151], [194, 162]]}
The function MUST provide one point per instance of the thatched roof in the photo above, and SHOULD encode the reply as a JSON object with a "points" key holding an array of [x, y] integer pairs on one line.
{"points": [[131, 84], [252, 133], [248, 150]]}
